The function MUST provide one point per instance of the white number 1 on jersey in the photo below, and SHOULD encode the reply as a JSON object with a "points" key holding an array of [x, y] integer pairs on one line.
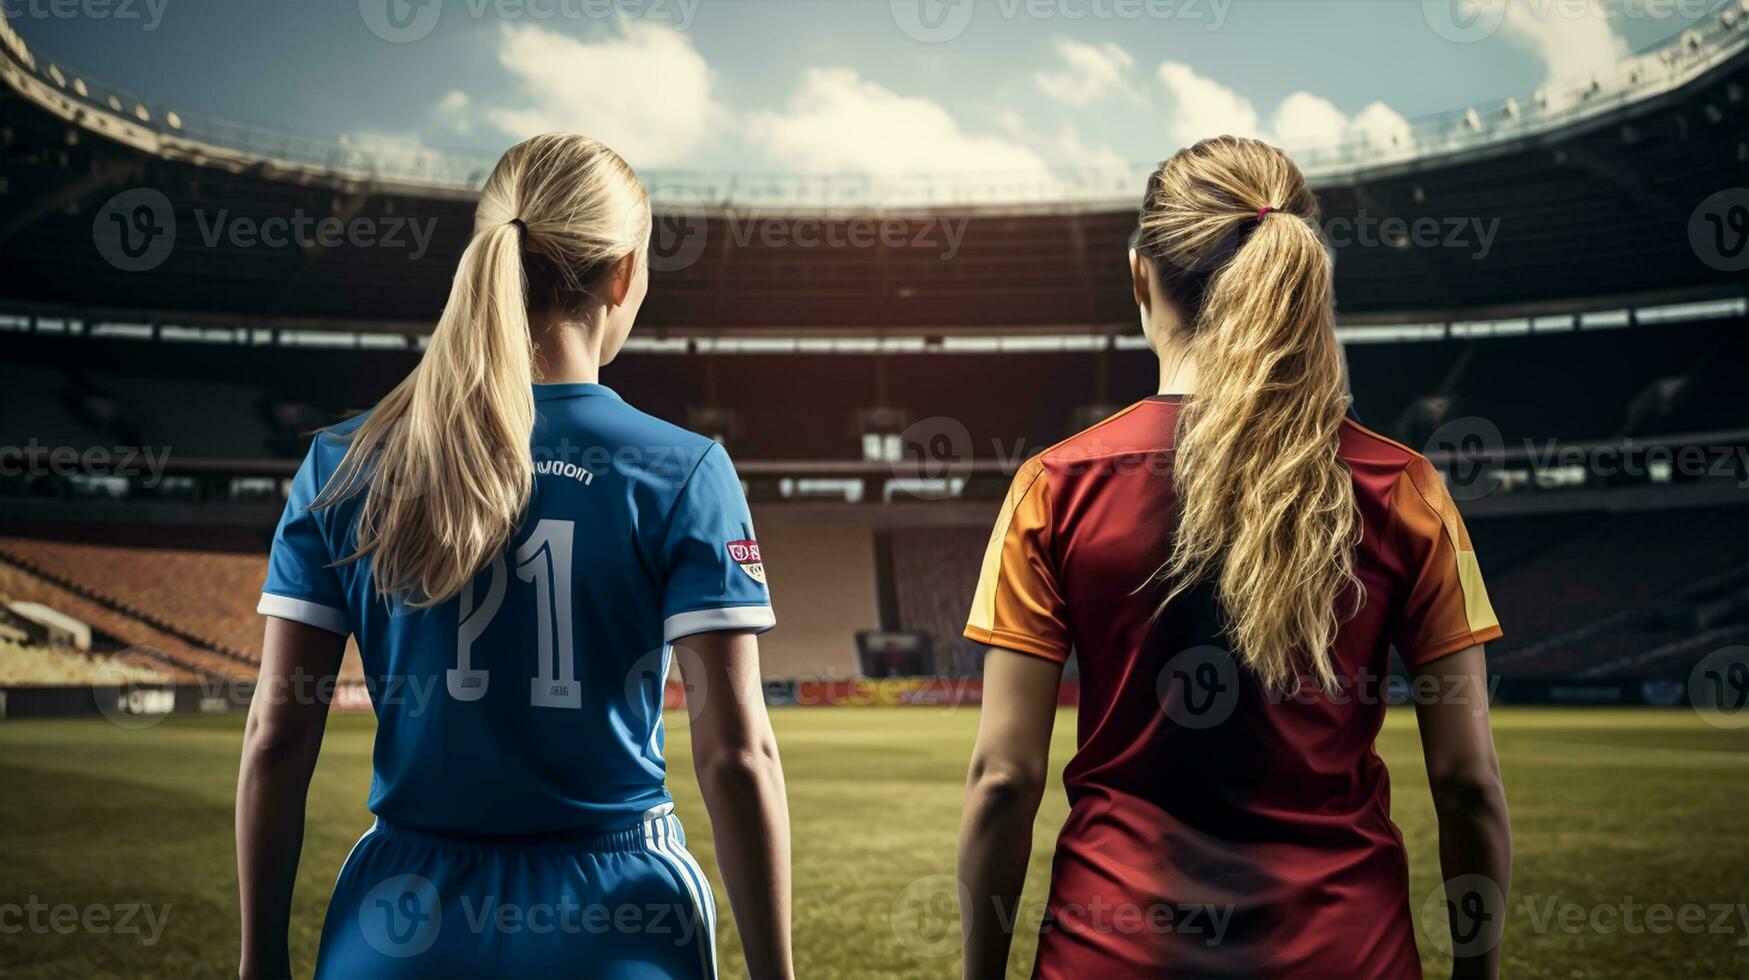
{"points": [[545, 560]]}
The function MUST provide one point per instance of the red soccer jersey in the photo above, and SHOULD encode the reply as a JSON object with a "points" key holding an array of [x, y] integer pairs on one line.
{"points": [[1216, 829]]}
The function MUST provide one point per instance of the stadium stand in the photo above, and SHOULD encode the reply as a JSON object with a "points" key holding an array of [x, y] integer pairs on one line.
{"points": [[935, 571], [195, 607], [130, 635], [809, 361], [30, 665], [245, 401], [823, 581]]}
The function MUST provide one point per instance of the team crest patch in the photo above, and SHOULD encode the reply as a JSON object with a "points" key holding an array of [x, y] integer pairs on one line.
{"points": [[746, 554]]}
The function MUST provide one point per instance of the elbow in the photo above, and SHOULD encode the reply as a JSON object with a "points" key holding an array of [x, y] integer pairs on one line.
{"points": [[269, 747], [1005, 785], [1469, 792], [739, 768]]}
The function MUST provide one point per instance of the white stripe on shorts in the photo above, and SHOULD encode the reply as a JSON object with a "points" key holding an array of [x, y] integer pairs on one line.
{"points": [[657, 821]]}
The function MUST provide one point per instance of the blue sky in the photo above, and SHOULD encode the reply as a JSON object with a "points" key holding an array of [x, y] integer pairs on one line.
{"points": [[843, 86]]}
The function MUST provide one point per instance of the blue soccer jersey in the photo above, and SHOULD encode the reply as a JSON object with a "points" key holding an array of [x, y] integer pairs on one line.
{"points": [[532, 701]]}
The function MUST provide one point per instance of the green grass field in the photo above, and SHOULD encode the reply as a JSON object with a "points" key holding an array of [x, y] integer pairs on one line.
{"points": [[1609, 807]]}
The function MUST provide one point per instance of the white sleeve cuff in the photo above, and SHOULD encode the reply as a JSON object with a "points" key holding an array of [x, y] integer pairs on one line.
{"points": [[755, 618], [304, 611]]}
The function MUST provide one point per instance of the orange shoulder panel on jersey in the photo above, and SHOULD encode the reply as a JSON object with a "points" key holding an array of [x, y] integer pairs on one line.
{"points": [[1446, 607], [1018, 604]]}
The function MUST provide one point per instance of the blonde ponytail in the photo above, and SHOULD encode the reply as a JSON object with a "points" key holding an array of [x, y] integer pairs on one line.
{"points": [[1266, 508], [443, 460]]}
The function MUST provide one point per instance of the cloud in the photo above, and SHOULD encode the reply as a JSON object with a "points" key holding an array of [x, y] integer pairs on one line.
{"points": [[643, 89], [1090, 74], [836, 121], [453, 109], [1573, 41], [1305, 121], [1077, 154], [1198, 106], [1381, 125]]}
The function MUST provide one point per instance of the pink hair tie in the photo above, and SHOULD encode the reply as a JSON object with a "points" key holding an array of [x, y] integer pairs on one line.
{"points": [[1264, 210]]}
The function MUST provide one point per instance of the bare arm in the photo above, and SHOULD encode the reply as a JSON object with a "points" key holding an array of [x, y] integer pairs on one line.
{"points": [[1003, 790], [735, 756], [1475, 837], [280, 743]]}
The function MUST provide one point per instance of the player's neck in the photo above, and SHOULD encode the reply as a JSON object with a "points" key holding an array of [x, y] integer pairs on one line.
{"points": [[566, 353], [1177, 371]]}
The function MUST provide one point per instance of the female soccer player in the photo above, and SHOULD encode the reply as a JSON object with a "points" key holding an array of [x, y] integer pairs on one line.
{"points": [[1233, 559], [518, 552]]}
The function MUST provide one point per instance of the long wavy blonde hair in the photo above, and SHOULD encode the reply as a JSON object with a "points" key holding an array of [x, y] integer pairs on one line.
{"points": [[443, 460], [1266, 510]]}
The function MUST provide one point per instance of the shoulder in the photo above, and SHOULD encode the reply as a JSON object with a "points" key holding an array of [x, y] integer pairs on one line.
{"points": [[1403, 480], [329, 445], [1128, 430], [658, 453], [1360, 444]]}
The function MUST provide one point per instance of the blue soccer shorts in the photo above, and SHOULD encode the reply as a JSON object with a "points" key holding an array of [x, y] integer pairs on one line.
{"points": [[627, 903]]}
